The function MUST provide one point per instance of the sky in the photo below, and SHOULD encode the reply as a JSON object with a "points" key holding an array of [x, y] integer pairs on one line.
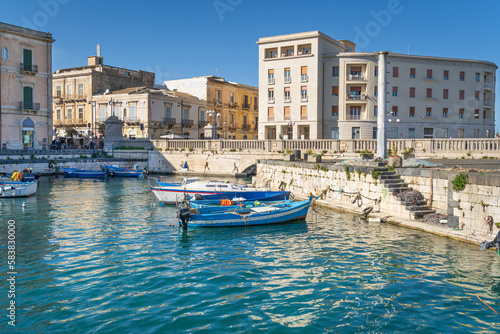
{"points": [[188, 38]]}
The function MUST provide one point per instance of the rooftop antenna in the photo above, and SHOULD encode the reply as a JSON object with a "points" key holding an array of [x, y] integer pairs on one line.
{"points": [[408, 48]]}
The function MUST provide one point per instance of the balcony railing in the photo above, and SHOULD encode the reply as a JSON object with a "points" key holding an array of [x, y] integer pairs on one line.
{"points": [[356, 97], [202, 124], [246, 106], [187, 123], [233, 104], [303, 117], [288, 99], [304, 78], [131, 120], [488, 103], [168, 120], [355, 77], [354, 117], [29, 68], [29, 106], [304, 98], [270, 100], [288, 80], [270, 81], [247, 127]]}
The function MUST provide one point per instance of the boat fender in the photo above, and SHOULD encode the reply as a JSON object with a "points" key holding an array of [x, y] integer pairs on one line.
{"points": [[367, 211], [359, 200], [13, 192], [198, 197], [7, 189], [51, 165]]}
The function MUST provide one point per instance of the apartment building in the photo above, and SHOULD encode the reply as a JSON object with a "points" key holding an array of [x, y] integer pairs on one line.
{"points": [[152, 113], [337, 89], [231, 106], [73, 89], [25, 88]]}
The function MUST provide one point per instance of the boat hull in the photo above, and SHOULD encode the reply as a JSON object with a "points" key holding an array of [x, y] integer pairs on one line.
{"points": [[122, 172], [18, 189], [80, 173]]}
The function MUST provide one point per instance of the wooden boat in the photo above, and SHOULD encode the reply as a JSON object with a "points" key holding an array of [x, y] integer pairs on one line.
{"points": [[123, 172], [18, 188], [82, 173], [194, 188], [200, 207], [262, 215]]}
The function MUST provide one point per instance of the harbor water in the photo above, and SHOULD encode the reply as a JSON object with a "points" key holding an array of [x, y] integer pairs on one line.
{"points": [[96, 256]]}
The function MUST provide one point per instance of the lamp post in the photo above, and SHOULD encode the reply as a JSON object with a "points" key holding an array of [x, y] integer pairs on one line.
{"points": [[225, 131], [290, 129], [394, 122], [214, 114]]}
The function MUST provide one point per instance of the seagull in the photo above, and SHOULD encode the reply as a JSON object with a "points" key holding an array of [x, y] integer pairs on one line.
{"points": [[24, 204]]}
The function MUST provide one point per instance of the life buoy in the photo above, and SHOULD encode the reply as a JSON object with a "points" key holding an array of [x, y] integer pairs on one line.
{"points": [[226, 202]]}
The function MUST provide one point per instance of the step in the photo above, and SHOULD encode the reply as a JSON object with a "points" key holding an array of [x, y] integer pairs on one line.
{"points": [[413, 208], [389, 177], [422, 212], [418, 202], [395, 185], [398, 190], [387, 181]]}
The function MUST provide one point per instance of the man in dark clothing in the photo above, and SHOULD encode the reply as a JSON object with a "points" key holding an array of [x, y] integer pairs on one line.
{"points": [[495, 243]]}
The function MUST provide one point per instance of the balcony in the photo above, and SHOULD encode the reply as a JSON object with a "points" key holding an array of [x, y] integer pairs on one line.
{"points": [[187, 123], [70, 97], [247, 127], [354, 117], [131, 120], [270, 81], [488, 85], [355, 77], [70, 122], [304, 98], [29, 106], [288, 99], [202, 124], [233, 104], [303, 117], [169, 121], [488, 103], [29, 69], [356, 97], [270, 100], [246, 105], [304, 78], [288, 80]]}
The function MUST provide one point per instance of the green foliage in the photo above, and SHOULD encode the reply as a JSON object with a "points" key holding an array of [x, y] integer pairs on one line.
{"points": [[390, 168], [484, 157], [375, 174], [359, 173], [468, 154], [32, 157], [347, 173], [324, 152], [190, 149], [310, 152], [232, 150], [408, 150], [288, 151], [459, 182], [129, 148]]}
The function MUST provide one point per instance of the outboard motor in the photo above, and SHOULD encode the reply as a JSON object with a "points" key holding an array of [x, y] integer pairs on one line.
{"points": [[184, 215]]}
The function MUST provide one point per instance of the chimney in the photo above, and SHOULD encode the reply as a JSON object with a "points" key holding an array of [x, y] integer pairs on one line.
{"points": [[98, 50], [95, 60]]}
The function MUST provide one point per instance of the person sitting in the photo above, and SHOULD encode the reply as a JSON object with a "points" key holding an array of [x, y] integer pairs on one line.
{"points": [[495, 243]]}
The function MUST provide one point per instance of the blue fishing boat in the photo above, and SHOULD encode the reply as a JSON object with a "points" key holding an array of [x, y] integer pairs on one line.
{"points": [[123, 172], [18, 188], [261, 215], [202, 207], [82, 173]]}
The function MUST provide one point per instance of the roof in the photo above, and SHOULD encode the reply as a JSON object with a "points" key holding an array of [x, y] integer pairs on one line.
{"points": [[149, 90], [26, 31]]}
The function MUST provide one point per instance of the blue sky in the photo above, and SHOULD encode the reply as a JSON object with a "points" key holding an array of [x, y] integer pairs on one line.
{"points": [[181, 39]]}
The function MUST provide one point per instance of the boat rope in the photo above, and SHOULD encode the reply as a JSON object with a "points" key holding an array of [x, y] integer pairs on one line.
{"points": [[486, 304]]}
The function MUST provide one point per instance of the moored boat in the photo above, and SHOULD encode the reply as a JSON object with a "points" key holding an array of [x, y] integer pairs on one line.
{"points": [[123, 172], [18, 188], [82, 173]]}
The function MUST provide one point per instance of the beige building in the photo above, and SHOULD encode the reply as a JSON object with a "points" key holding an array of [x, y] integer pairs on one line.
{"points": [[319, 88], [152, 113], [25, 87], [73, 89], [232, 106]]}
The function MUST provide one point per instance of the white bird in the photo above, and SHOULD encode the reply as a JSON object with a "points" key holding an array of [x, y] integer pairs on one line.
{"points": [[24, 204]]}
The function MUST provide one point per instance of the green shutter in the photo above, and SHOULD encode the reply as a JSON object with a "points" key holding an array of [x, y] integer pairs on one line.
{"points": [[28, 97], [27, 59]]}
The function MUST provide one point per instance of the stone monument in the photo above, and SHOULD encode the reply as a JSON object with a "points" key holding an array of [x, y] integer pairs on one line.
{"points": [[113, 132]]}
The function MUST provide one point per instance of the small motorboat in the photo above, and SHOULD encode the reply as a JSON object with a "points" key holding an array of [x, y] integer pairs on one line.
{"points": [[123, 172], [82, 173], [18, 188]]}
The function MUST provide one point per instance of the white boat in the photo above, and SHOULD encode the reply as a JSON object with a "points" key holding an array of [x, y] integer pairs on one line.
{"points": [[174, 192], [17, 188]]}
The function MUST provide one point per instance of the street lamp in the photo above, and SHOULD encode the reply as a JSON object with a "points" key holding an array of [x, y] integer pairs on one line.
{"points": [[290, 129], [214, 114], [394, 122]]}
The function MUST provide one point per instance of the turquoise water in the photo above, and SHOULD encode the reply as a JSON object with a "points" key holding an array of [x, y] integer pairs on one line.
{"points": [[97, 256]]}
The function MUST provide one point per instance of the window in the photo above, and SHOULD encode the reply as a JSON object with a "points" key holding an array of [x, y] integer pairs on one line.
{"points": [[202, 115], [288, 79], [476, 133], [303, 74], [395, 91], [286, 113], [5, 53], [335, 111], [411, 133], [412, 91], [375, 111], [488, 133], [461, 94], [444, 133], [270, 77], [287, 94], [58, 114], [303, 93], [303, 112], [461, 113], [445, 74], [374, 132], [376, 71], [428, 112], [335, 71], [460, 133], [476, 96], [103, 113], [231, 97], [117, 111], [335, 90], [27, 60], [445, 112], [412, 112], [375, 90], [133, 113], [69, 113], [80, 90], [394, 111], [28, 97], [231, 118], [445, 94], [477, 77], [429, 74], [270, 114], [168, 112], [355, 133], [429, 93], [394, 132], [335, 133], [476, 114], [428, 132], [255, 104], [270, 95], [395, 72], [80, 113], [217, 96], [185, 114], [412, 73], [58, 91], [69, 90], [462, 76], [355, 112]]}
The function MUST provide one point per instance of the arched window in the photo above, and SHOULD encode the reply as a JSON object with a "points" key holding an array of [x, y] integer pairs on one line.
{"points": [[28, 132], [5, 53]]}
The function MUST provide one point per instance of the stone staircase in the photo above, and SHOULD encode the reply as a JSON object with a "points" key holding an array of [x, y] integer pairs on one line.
{"points": [[417, 206]]}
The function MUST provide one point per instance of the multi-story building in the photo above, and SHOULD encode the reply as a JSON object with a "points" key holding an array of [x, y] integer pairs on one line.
{"points": [[152, 113], [25, 87], [74, 87], [232, 107], [331, 91]]}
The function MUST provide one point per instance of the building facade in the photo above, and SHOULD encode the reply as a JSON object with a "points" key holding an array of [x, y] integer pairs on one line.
{"points": [[330, 91], [152, 113], [25, 88], [232, 107], [73, 89]]}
